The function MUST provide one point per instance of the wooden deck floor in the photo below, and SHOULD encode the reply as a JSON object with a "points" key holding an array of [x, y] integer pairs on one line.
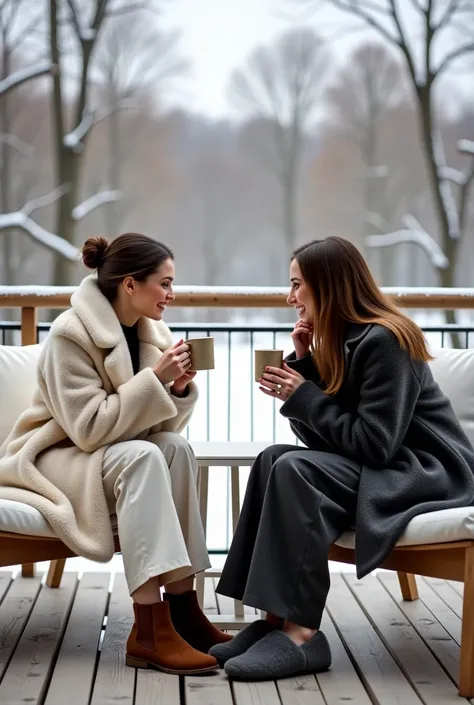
{"points": [[66, 647]]}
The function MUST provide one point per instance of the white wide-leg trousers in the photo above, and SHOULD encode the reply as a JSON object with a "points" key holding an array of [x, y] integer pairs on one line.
{"points": [[151, 487]]}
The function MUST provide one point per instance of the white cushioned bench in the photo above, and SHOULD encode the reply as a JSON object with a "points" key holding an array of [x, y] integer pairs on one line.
{"points": [[439, 544]]}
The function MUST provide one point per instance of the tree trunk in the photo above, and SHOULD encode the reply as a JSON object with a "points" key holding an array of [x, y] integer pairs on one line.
{"points": [[448, 243], [289, 211], [65, 270], [111, 212], [8, 277]]}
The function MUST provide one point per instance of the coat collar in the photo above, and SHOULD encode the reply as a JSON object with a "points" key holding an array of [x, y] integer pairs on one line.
{"points": [[101, 323], [355, 332]]}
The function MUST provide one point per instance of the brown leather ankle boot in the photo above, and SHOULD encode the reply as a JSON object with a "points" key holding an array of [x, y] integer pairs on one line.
{"points": [[192, 624], [154, 643]]}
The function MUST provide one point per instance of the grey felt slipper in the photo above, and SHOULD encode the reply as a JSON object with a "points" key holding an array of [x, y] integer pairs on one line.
{"points": [[277, 656], [241, 641]]}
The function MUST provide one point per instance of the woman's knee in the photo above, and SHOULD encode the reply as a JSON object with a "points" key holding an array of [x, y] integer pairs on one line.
{"points": [[144, 450], [172, 440], [285, 467], [177, 452]]}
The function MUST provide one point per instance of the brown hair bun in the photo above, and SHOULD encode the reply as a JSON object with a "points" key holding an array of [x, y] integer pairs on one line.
{"points": [[94, 252]]}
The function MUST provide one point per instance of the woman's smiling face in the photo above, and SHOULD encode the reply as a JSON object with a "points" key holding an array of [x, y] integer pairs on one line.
{"points": [[300, 296]]}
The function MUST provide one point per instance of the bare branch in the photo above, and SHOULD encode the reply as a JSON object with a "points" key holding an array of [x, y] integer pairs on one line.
{"points": [[461, 51], [378, 221], [416, 235], [452, 8], [417, 5], [453, 175], [466, 146], [43, 237], [21, 219], [21, 76], [16, 143], [95, 201], [359, 11], [126, 9], [73, 139], [75, 19], [43, 201]]}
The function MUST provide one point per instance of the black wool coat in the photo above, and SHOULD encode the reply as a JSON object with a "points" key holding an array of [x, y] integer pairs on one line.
{"points": [[392, 419]]}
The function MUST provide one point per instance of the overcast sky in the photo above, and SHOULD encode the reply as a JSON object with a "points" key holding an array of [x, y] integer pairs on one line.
{"points": [[217, 36]]}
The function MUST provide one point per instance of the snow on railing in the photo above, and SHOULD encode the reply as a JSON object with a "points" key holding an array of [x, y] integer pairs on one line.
{"points": [[239, 296]]}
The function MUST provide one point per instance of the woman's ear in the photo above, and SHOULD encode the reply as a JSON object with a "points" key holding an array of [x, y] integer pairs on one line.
{"points": [[129, 285]]}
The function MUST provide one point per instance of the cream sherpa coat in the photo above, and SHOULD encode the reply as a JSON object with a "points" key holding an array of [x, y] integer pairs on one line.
{"points": [[87, 399]]}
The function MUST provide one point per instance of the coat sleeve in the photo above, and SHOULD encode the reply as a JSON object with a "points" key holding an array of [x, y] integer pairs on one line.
{"points": [[304, 366], [73, 390], [388, 393], [185, 406]]}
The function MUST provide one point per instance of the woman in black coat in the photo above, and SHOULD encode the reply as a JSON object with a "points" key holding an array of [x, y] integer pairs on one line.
{"points": [[382, 445]]}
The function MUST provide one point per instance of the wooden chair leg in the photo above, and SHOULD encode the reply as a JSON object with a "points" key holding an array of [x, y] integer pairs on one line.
{"points": [[466, 674], [55, 573], [203, 485], [28, 570], [408, 586]]}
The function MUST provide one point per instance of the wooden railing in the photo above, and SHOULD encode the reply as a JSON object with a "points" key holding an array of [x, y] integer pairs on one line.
{"points": [[31, 299]]}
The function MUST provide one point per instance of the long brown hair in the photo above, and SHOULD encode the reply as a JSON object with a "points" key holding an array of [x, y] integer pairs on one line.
{"points": [[344, 291]]}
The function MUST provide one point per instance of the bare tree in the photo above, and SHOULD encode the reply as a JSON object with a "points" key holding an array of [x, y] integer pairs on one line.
{"points": [[84, 21], [19, 23], [282, 83], [121, 74], [371, 84], [444, 25]]}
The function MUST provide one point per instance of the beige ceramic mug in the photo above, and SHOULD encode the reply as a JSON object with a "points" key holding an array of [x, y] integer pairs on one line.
{"points": [[202, 353], [267, 358]]}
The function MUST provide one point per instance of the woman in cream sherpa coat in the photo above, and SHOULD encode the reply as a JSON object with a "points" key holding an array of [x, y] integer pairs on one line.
{"points": [[102, 439]]}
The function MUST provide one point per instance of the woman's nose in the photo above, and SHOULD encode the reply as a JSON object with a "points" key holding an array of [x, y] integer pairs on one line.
{"points": [[290, 299], [170, 295]]}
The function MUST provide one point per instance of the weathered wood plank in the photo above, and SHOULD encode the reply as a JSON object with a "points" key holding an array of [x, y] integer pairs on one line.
{"points": [[156, 688], [421, 668], [115, 682], [75, 668], [302, 690], [255, 693], [457, 585], [213, 689], [381, 675], [341, 683], [27, 676], [426, 624], [6, 579], [14, 611], [452, 598], [444, 614]]}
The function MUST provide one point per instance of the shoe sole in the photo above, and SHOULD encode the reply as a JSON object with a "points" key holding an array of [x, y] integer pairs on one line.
{"points": [[140, 663], [297, 674]]}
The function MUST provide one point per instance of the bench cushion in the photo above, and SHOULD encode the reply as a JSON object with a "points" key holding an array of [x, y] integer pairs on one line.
{"points": [[19, 518], [17, 383], [454, 372], [435, 527]]}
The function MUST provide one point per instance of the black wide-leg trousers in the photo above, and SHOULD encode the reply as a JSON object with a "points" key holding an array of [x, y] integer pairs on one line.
{"points": [[297, 503]]}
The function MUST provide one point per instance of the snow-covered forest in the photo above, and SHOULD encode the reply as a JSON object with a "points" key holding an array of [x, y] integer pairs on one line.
{"points": [[375, 142]]}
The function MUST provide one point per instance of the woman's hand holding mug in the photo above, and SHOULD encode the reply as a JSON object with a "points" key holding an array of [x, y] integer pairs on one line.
{"points": [[302, 336], [174, 363], [280, 383]]}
